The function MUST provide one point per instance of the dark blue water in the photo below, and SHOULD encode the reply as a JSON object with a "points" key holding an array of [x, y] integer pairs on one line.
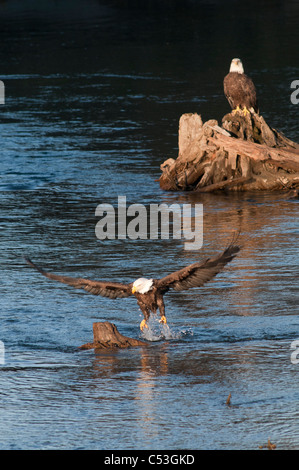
{"points": [[93, 100]]}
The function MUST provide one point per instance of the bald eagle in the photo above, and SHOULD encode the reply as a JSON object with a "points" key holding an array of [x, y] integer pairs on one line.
{"points": [[239, 89], [149, 292]]}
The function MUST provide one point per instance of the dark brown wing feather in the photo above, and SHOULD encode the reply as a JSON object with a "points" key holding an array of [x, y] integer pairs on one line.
{"points": [[240, 91], [113, 290], [197, 274]]}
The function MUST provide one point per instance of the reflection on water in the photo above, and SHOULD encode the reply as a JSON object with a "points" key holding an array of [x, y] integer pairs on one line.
{"points": [[92, 108]]}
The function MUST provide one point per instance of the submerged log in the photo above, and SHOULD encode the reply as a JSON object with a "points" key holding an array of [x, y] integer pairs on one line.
{"points": [[245, 153], [107, 336]]}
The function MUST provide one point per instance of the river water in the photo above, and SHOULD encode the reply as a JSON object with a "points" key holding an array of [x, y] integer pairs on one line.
{"points": [[92, 103]]}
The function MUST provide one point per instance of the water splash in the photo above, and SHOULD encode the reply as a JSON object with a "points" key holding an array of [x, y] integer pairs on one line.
{"points": [[157, 331]]}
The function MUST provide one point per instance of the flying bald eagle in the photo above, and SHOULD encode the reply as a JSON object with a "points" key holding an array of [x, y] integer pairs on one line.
{"points": [[149, 292], [239, 89]]}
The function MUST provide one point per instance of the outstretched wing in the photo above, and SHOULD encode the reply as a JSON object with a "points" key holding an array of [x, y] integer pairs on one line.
{"points": [[197, 274], [113, 290]]}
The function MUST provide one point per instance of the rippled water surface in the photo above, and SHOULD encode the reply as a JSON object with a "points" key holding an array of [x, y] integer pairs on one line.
{"points": [[92, 109]]}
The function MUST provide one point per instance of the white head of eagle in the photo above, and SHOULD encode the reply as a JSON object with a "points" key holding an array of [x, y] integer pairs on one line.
{"points": [[236, 66], [142, 285]]}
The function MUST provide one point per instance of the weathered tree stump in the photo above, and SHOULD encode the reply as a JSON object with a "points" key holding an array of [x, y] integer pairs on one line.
{"points": [[107, 336], [245, 153], [253, 127]]}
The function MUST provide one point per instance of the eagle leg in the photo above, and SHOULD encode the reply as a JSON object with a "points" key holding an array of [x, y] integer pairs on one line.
{"points": [[146, 313], [236, 110], [245, 111], [161, 306]]}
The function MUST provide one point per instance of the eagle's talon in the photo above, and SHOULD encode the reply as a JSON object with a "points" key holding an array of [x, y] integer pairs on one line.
{"points": [[236, 110], [245, 111], [163, 320], [143, 325]]}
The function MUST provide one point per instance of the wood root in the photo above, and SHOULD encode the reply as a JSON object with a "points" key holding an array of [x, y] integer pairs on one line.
{"points": [[245, 153]]}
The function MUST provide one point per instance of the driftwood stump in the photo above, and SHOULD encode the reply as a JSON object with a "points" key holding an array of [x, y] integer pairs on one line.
{"points": [[245, 153], [107, 336]]}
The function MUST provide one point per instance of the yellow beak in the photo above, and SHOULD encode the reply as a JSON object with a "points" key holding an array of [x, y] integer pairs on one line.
{"points": [[133, 290]]}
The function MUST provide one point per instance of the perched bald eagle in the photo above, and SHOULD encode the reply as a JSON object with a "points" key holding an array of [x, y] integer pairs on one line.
{"points": [[239, 89], [149, 292]]}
